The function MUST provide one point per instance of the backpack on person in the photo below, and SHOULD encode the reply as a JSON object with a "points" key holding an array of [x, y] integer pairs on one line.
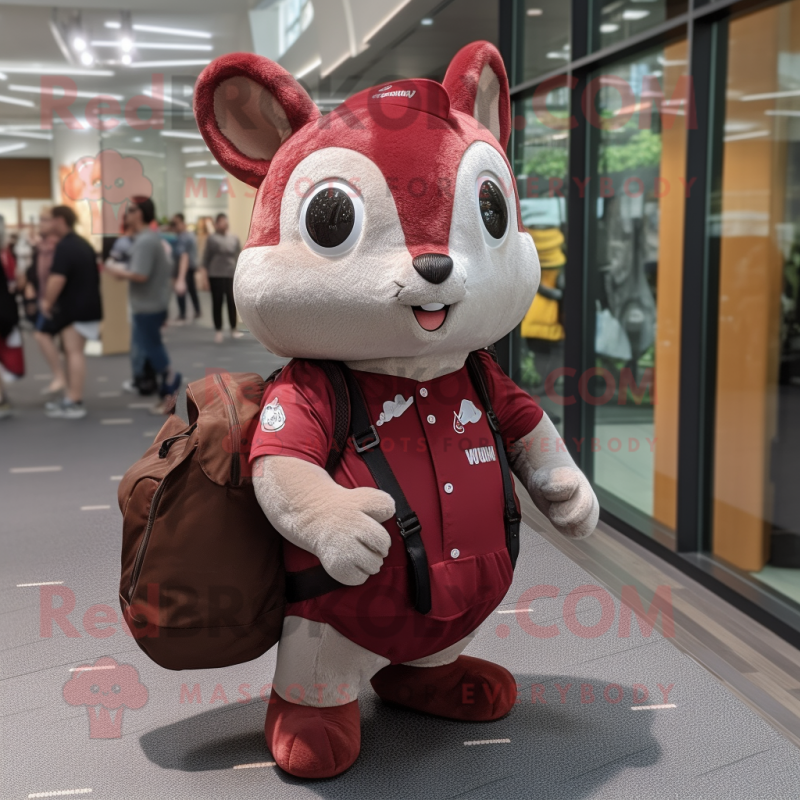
{"points": [[202, 582]]}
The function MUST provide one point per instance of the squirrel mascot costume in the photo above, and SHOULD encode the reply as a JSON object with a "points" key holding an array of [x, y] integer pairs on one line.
{"points": [[387, 236]]}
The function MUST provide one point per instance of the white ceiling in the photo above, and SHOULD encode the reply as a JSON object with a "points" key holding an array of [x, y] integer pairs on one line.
{"points": [[27, 43]]}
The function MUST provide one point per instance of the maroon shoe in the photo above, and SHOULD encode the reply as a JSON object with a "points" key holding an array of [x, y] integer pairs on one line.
{"points": [[470, 689], [311, 742]]}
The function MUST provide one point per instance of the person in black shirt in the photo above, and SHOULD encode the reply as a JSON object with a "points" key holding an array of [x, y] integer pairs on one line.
{"points": [[71, 307]]}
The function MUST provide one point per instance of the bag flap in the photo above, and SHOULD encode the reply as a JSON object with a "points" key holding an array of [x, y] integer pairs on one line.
{"points": [[226, 407]]}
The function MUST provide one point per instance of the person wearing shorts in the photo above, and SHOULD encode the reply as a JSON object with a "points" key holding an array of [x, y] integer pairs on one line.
{"points": [[71, 307]]}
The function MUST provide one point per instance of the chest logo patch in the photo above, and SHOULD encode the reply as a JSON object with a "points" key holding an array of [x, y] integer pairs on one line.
{"points": [[394, 408], [468, 412], [480, 455], [273, 417]]}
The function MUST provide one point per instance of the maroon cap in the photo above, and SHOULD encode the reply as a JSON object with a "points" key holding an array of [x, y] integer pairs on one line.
{"points": [[419, 94]]}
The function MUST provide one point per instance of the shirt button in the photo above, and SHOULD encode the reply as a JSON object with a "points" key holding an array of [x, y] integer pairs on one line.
{"points": [[455, 553], [431, 419], [423, 392], [448, 487]]}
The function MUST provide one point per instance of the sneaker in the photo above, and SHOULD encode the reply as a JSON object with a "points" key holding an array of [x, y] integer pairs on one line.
{"points": [[130, 386], [6, 409], [237, 335], [65, 409]]}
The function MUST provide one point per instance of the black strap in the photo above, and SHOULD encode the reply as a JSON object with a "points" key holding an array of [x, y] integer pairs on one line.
{"points": [[341, 413], [366, 441], [510, 514]]}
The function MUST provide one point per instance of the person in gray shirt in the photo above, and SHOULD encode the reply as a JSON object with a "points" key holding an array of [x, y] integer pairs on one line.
{"points": [[219, 260], [185, 254], [150, 275]]}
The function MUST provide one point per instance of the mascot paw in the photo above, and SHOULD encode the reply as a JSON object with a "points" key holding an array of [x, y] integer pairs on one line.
{"points": [[469, 689], [566, 498], [313, 742]]}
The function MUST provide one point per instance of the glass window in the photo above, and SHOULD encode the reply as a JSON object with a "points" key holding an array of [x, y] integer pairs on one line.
{"points": [[756, 522], [541, 141], [543, 36], [616, 20], [637, 122]]}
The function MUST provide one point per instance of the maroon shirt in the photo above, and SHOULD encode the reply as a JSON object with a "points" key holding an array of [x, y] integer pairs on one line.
{"points": [[439, 445]]}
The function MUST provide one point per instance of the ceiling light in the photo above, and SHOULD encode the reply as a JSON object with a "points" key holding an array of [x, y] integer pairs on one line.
{"points": [[535, 12], [88, 95], [770, 95], [27, 134], [609, 27], [560, 54], [195, 63], [166, 98], [16, 101], [214, 176], [3, 76], [782, 112], [79, 43], [388, 18], [426, 21], [127, 45], [192, 149], [196, 164], [55, 69], [8, 148], [126, 59], [137, 139], [633, 14], [87, 59], [113, 24], [173, 31], [181, 134], [308, 68], [739, 136]]}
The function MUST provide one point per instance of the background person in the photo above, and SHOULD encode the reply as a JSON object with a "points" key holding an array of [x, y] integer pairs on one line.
{"points": [[36, 277], [150, 275], [219, 260], [71, 306], [185, 253]]}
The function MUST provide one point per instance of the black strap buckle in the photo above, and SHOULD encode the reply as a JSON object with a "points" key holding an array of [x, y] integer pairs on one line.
{"points": [[409, 525], [494, 423], [367, 440]]}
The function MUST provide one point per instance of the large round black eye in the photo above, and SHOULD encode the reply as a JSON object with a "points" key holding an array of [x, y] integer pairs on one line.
{"points": [[330, 217], [494, 211]]}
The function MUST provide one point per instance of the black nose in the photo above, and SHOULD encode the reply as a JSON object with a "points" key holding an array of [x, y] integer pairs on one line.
{"points": [[433, 267]]}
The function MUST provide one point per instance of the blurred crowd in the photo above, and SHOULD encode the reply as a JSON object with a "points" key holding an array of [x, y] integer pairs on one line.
{"points": [[51, 295]]}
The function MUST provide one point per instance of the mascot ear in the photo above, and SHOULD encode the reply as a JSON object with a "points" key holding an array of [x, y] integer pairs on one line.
{"points": [[246, 107], [477, 84]]}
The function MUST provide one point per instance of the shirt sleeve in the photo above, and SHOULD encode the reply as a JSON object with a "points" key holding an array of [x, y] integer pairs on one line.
{"points": [[144, 256], [517, 412], [296, 416]]}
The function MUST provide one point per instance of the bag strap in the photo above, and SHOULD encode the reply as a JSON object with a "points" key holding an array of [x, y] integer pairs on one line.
{"points": [[341, 413], [511, 515], [366, 441]]}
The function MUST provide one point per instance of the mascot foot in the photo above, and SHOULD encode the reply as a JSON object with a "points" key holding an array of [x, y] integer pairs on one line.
{"points": [[313, 742], [470, 689]]}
